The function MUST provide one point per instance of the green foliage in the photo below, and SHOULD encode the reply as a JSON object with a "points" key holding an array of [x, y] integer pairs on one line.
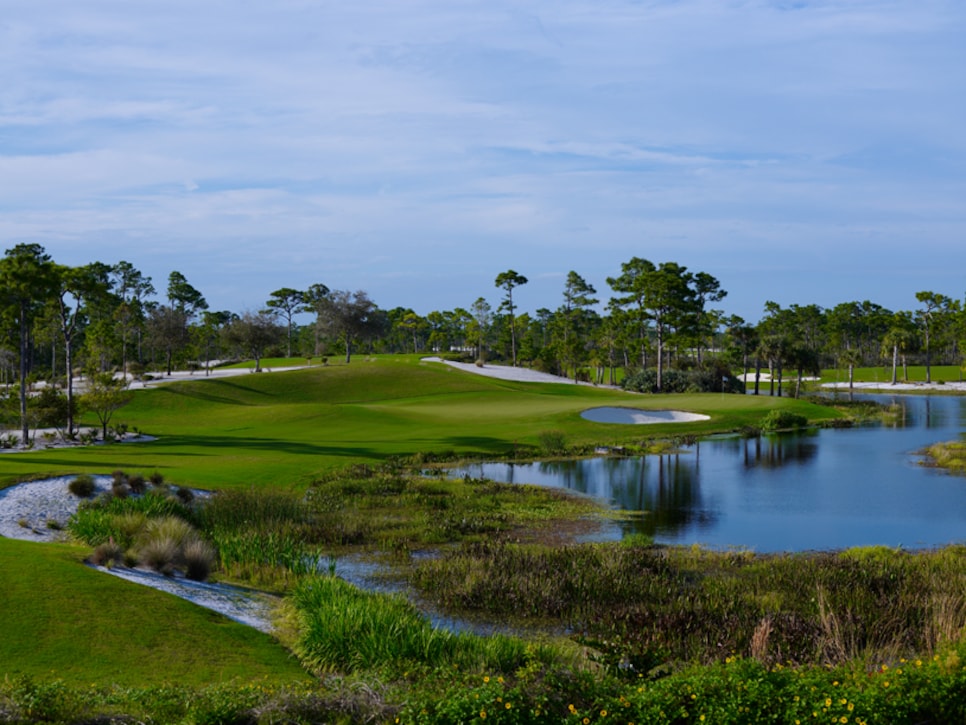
{"points": [[643, 606], [777, 420], [553, 442], [711, 380], [49, 408], [345, 629], [950, 455]]}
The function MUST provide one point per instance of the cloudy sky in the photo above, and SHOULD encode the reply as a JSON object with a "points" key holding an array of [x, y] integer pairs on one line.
{"points": [[798, 150]]}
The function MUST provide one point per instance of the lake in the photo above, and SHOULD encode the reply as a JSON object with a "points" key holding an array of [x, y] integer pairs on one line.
{"points": [[815, 490]]}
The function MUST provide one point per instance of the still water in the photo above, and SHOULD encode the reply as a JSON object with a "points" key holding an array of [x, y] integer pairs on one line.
{"points": [[826, 489]]}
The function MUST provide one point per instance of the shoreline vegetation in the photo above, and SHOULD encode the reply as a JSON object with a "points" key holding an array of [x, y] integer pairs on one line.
{"points": [[629, 630]]}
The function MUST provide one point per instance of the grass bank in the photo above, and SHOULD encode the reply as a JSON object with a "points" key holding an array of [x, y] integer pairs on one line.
{"points": [[288, 429]]}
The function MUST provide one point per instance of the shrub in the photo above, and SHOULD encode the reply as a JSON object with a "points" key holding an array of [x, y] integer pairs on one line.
{"points": [[169, 528], [137, 484], [156, 478], [552, 441], [160, 554], [107, 554], [783, 420], [82, 486], [712, 378], [120, 490], [185, 495], [199, 558]]}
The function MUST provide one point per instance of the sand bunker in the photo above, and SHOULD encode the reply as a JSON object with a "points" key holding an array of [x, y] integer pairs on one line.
{"points": [[634, 416]]}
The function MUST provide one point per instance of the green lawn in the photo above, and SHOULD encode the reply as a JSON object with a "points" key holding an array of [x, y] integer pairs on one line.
{"points": [[65, 620], [281, 430], [288, 428], [916, 374]]}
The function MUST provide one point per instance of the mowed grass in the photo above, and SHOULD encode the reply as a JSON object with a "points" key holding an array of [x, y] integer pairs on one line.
{"points": [[916, 374], [289, 428], [68, 621]]}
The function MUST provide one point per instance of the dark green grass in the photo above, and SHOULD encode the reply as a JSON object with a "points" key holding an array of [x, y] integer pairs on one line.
{"points": [[68, 621], [287, 429]]}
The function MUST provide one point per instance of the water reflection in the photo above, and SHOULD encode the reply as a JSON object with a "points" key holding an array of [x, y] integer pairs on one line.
{"points": [[816, 490]]}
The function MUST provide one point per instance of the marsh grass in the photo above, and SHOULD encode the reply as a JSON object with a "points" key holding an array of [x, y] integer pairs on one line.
{"points": [[346, 630], [642, 605], [950, 455]]}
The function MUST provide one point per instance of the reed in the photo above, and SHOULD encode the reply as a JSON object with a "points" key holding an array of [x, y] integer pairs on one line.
{"points": [[650, 605]]}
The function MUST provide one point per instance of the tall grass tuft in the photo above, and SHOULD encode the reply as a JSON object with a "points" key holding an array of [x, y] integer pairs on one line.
{"points": [[344, 629], [199, 559], [82, 486]]}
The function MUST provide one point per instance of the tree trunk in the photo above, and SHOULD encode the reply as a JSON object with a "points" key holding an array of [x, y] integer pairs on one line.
{"points": [[895, 359], [24, 339]]}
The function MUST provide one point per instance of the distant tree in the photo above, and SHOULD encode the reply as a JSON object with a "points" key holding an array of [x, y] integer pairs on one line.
{"points": [[632, 284], [253, 333], [706, 289], [572, 323], [104, 397], [440, 331], [315, 300], [507, 281], [27, 283], [347, 316], [183, 297], [482, 318], [208, 332], [414, 324], [932, 318], [898, 339], [167, 332], [168, 324], [744, 337], [133, 288], [75, 288], [287, 302]]}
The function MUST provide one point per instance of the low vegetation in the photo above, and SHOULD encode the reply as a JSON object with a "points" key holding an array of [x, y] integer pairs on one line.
{"points": [[950, 455], [592, 632]]}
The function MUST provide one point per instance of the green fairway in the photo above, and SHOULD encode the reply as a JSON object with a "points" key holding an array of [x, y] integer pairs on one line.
{"points": [[66, 620], [288, 428], [914, 374]]}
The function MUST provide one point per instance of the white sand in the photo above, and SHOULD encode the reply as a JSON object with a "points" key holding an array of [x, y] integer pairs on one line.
{"points": [[504, 372], [634, 416], [26, 509]]}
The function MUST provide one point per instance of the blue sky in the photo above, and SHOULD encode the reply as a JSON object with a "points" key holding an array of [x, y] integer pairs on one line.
{"points": [[799, 151]]}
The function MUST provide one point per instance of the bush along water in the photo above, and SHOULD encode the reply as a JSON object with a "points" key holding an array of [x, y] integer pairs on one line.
{"points": [[712, 378]]}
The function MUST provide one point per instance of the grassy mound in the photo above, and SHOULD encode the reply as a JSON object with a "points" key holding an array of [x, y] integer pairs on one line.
{"points": [[291, 428], [66, 620]]}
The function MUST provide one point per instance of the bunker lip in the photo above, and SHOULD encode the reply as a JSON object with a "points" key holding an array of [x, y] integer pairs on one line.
{"points": [[636, 416]]}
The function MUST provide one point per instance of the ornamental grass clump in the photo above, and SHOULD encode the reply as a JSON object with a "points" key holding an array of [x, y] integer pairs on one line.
{"points": [[107, 554], [199, 559], [162, 555], [82, 486]]}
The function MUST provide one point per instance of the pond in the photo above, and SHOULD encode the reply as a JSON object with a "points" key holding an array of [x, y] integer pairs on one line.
{"points": [[815, 490]]}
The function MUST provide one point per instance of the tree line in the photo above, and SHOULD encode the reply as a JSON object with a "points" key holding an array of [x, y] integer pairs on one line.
{"points": [[660, 329]]}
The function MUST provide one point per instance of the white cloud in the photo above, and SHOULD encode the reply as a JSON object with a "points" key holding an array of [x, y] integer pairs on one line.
{"points": [[434, 140]]}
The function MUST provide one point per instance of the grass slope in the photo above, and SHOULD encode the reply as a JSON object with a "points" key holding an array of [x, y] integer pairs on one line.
{"points": [[66, 620], [288, 428]]}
